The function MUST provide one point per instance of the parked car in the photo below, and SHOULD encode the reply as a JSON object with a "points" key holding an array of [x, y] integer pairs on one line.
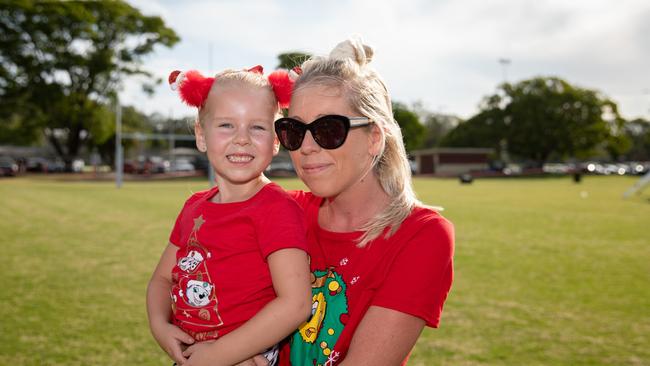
{"points": [[36, 165], [129, 167], [8, 166], [158, 164], [280, 168], [43, 165], [181, 165]]}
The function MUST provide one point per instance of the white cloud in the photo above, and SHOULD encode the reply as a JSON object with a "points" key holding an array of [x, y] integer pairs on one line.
{"points": [[443, 53]]}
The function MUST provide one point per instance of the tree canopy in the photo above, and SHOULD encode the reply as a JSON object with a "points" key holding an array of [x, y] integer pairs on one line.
{"points": [[638, 132], [289, 60], [543, 117], [412, 130], [63, 62]]}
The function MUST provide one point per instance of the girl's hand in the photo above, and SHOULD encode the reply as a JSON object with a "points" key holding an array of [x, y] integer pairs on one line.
{"points": [[199, 354], [172, 340]]}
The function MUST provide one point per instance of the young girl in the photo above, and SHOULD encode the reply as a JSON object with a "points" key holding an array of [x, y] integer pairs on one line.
{"points": [[234, 279]]}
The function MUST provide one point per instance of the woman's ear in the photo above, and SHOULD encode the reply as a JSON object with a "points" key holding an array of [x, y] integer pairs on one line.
{"points": [[200, 137], [375, 140]]}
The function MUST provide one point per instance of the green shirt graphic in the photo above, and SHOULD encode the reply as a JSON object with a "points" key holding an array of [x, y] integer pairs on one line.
{"points": [[312, 344]]}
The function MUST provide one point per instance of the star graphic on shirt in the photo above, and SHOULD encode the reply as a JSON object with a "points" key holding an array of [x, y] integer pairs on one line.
{"points": [[332, 358], [198, 222]]}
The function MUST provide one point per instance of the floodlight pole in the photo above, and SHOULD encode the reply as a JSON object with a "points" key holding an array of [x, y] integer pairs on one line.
{"points": [[505, 62], [172, 156], [119, 153], [211, 177]]}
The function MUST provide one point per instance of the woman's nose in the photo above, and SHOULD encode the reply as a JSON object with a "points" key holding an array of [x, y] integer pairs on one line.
{"points": [[309, 145]]}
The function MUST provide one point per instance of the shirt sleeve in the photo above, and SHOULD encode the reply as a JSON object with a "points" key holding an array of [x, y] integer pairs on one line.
{"points": [[300, 197], [176, 235], [281, 226], [420, 276]]}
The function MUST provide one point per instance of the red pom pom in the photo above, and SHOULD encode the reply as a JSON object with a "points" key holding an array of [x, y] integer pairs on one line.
{"points": [[282, 87], [194, 88]]}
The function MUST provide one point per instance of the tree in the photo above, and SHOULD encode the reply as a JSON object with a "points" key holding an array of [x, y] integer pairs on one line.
{"points": [[132, 121], [638, 132], [542, 117], [486, 129], [437, 125], [409, 122], [289, 60], [62, 63]]}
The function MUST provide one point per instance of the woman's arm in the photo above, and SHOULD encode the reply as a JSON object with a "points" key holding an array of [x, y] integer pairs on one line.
{"points": [[383, 338], [169, 337], [292, 306], [411, 296]]}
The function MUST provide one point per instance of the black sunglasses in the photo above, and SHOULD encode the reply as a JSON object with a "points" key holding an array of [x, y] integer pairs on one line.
{"points": [[329, 131]]}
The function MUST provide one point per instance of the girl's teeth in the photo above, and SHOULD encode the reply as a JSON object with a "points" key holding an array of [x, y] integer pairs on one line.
{"points": [[239, 159]]}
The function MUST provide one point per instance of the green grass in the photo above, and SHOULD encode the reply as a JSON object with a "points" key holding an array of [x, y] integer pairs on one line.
{"points": [[547, 271]]}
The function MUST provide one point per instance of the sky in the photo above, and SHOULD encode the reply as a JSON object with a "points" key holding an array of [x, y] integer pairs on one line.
{"points": [[443, 54]]}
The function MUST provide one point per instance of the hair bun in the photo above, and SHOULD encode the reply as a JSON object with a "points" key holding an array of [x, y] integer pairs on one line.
{"points": [[353, 49]]}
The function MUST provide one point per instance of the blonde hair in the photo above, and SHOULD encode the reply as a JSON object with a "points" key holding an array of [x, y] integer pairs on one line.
{"points": [[231, 77], [347, 68]]}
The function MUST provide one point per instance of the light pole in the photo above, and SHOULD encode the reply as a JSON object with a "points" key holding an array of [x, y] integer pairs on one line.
{"points": [[211, 177], [119, 152], [505, 62]]}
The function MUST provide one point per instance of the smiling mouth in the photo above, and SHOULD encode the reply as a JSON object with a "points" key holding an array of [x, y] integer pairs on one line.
{"points": [[314, 168], [239, 158]]}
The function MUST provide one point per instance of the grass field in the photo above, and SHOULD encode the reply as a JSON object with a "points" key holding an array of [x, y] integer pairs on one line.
{"points": [[548, 272]]}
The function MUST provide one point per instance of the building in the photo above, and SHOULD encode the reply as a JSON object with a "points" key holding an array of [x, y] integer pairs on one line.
{"points": [[451, 161]]}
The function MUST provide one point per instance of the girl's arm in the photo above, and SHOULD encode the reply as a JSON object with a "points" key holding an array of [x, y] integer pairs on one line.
{"points": [[292, 306], [170, 338], [383, 338]]}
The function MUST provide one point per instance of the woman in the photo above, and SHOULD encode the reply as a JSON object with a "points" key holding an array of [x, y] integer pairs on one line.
{"points": [[381, 260]]}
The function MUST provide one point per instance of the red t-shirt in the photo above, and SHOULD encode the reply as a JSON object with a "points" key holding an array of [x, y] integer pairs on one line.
{"points": [[410, 272], [221, 277]]}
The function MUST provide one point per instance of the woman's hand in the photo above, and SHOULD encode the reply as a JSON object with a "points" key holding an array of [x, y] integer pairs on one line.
{"points": [[172, 340], [258, 360], [199, 354]]}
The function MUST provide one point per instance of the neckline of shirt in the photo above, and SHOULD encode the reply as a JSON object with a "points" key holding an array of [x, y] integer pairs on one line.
{"points": [[227, 205]]}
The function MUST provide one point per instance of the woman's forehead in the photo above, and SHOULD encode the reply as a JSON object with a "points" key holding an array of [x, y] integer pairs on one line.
{"points": [[316, 100]]}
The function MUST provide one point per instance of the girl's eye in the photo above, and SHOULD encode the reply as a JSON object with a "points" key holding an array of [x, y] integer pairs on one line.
{"points": [[224, 125], [259, 127]]}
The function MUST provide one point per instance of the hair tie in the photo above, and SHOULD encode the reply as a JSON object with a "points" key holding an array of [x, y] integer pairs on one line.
{"points": [[192, 86], [258, 69]]}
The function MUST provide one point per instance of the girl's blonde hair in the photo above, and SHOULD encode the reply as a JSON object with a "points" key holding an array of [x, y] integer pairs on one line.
{"points": [[347, 68], [248, 78]]}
